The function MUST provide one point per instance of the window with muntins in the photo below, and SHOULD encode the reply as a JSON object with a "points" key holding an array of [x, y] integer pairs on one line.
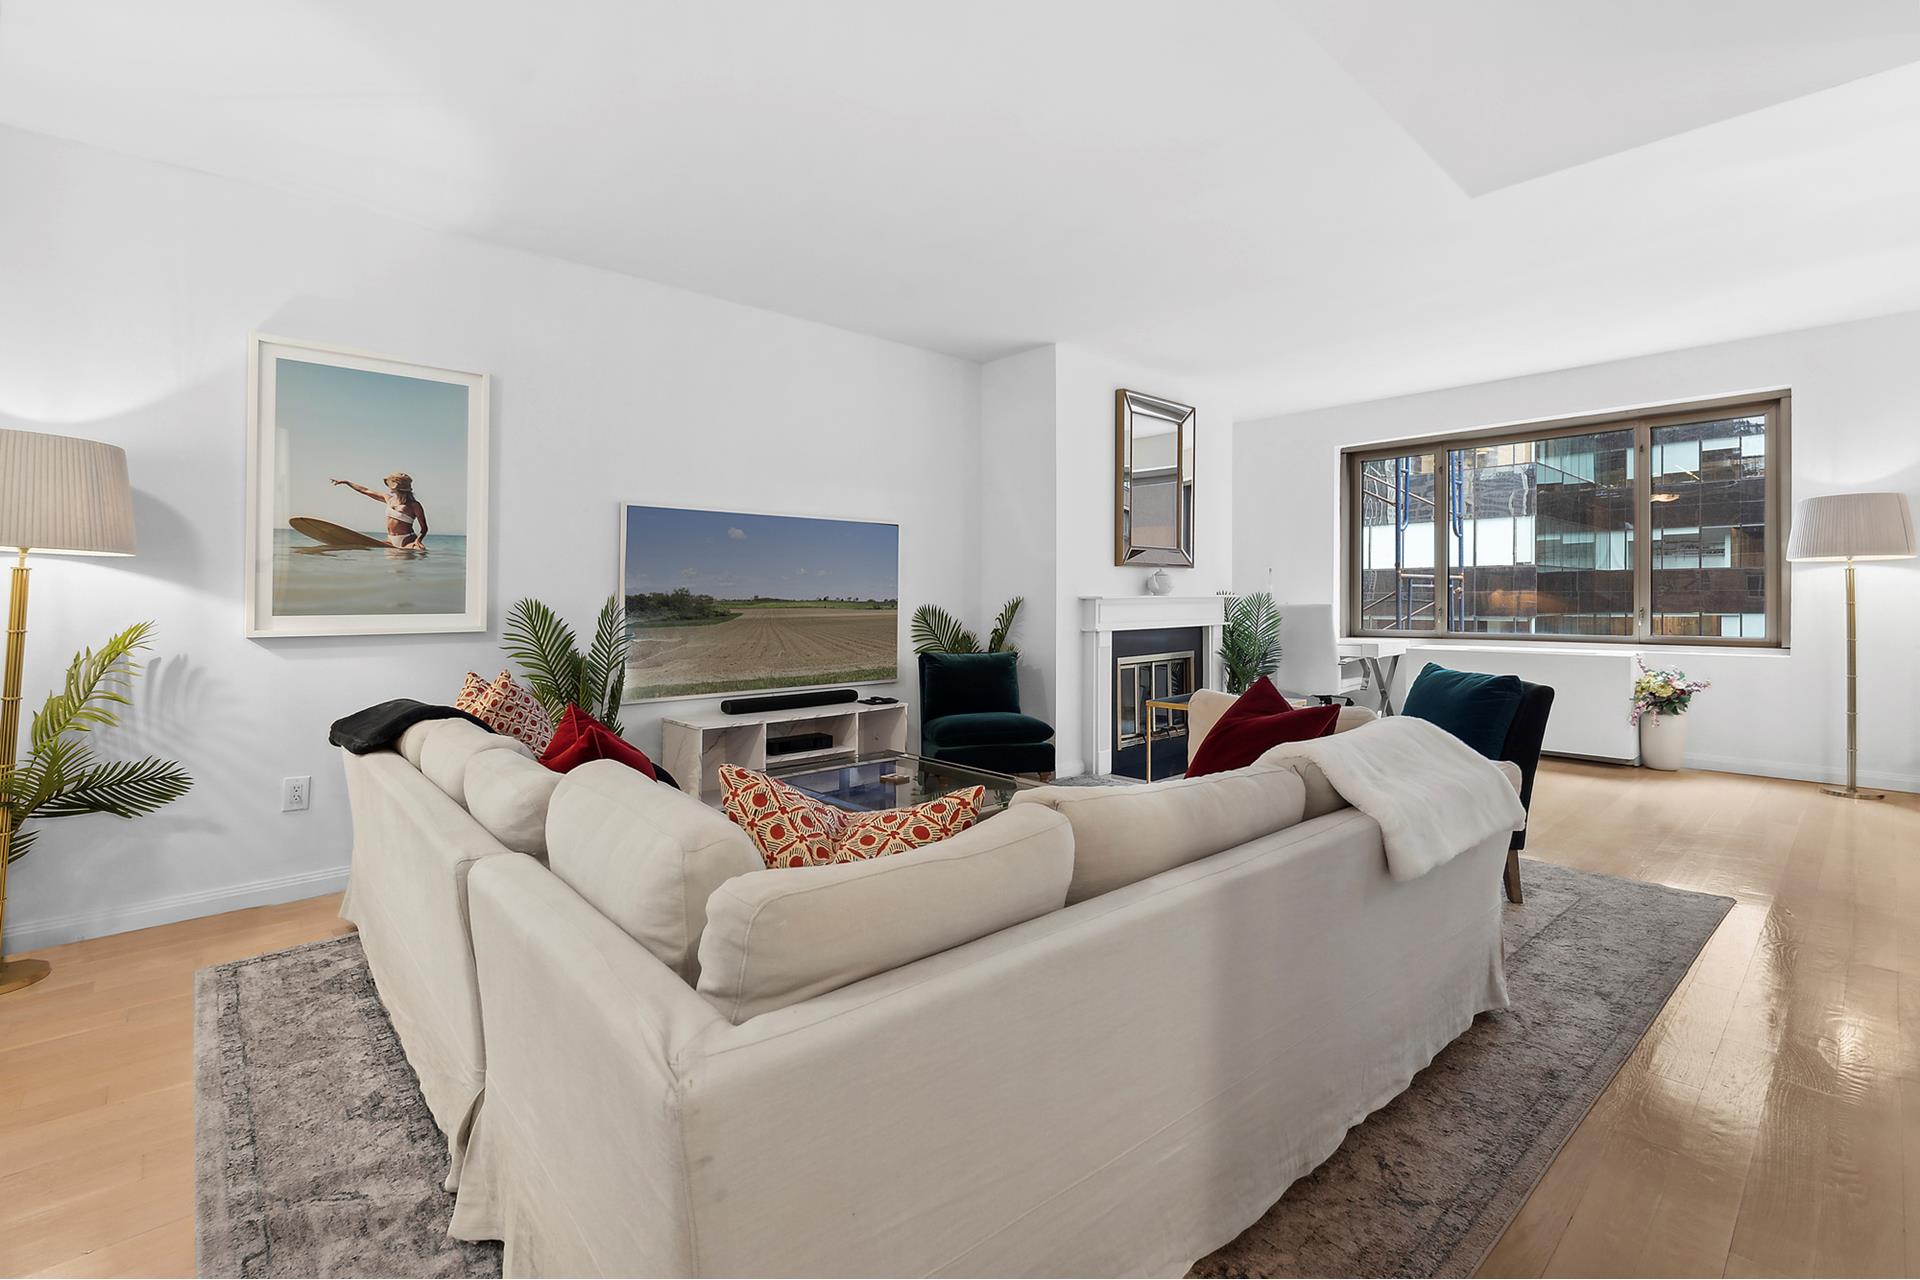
{"points": [[1650, 527]]}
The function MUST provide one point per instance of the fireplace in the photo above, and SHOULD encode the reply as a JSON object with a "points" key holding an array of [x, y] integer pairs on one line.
{"points": [[1130, 626], [1149, 664]]}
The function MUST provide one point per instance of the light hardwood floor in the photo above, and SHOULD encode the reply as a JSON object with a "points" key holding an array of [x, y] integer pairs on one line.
{"points": [[1769, 1124]]}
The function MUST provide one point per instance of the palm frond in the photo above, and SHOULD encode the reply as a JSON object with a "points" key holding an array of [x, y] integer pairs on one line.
{"points": [[1250, 640], [937, 631], [604, 678], [96, 683], [21, 842], [60, 778], [125, 788], [997, 639], [543, 644], [45, 773]]}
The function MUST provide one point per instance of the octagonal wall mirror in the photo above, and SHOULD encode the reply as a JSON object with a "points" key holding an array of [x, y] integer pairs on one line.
{"points": [[1152, 480]]}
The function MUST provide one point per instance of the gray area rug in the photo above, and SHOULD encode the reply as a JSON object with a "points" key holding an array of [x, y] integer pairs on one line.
{"points": [[314, 1152], [316, 1155]]}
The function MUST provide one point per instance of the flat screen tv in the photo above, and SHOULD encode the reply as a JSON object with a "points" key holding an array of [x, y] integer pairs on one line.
{"points": [[729, 601]]}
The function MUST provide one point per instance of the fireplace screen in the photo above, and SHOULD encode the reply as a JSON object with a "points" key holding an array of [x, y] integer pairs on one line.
{"points": [[1147, 676]]}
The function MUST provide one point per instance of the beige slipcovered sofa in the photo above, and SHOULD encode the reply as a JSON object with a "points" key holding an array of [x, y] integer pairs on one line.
{"points": [[414, 843], [1097, 1034]]}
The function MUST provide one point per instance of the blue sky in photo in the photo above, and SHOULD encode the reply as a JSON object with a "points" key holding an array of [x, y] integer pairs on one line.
{"points": [[360, 426], [733, 555]]}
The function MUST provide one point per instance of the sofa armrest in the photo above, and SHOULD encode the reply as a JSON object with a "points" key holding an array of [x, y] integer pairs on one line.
{"points": [[1353, 718], [581, 1123], [1204, 710]]}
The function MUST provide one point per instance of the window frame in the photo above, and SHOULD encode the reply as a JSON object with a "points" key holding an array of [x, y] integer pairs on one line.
{"points": [[1776, 406]]}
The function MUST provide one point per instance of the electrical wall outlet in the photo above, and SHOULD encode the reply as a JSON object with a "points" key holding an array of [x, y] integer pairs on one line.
{"points": [[295, 793]]}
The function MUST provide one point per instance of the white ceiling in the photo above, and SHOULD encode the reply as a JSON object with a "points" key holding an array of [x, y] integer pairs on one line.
{"points": [[1309, 203]]}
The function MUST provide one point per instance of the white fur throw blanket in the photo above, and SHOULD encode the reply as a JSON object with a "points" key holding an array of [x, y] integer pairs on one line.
{"points": [[1433, 795]]}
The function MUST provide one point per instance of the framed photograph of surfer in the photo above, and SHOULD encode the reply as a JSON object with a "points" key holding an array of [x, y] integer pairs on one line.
{"points": [[366, 494]]}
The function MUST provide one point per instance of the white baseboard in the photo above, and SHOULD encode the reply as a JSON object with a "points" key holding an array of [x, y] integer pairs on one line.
{"points": [[32, 935], [1832, 775]]}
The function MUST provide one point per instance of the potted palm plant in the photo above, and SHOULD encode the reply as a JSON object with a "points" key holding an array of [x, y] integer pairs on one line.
{"points": [[61, 777], [937, 631], [1250, 640], [558, 673]]}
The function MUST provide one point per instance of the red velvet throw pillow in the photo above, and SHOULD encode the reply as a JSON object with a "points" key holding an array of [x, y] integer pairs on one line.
{"points": [[1258, 722], [579, 738]]}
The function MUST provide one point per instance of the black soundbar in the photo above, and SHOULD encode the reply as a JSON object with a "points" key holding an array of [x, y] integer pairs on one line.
{"points": [[785, 701]]}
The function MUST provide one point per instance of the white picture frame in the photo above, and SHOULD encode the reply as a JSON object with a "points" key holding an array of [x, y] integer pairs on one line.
{"points": [[361, 593]]}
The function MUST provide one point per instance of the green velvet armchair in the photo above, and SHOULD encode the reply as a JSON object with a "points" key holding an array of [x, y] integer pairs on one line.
{"points": [[970, 714]]}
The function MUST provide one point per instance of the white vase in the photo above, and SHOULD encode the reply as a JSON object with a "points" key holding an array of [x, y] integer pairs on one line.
{"points": [[1663, 740], [1159, 582]]}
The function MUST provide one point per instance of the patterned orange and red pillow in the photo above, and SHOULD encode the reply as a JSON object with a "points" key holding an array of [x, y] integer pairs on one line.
{"points": [[507, 706], [792, 829]]}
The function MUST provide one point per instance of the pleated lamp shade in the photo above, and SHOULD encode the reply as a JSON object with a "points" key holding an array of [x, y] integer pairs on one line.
{"points": [[1852, 526], [62, 495]]}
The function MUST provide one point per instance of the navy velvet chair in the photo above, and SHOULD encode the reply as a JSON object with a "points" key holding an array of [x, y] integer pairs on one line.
{"points": [[1471, 706], [970, 714], [1522, 747]]}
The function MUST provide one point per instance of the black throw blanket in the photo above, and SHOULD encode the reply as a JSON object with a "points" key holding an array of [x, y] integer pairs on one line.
{"points": [[380, 726]]}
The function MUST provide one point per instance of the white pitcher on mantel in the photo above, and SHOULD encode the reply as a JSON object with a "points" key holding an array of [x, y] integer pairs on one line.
{"points": [[1663, 740]]}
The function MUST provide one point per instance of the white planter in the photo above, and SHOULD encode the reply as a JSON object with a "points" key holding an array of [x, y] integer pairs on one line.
{"points": [[1663, 741]]}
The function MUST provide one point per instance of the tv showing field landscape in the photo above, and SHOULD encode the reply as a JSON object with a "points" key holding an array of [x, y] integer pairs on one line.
{"points": [[725, 601]]}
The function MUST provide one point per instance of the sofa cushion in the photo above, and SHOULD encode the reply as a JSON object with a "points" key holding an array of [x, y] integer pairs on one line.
{"points": [[645, 856], [445, 753], [985, 728], [794, 829], [775, 938], [1126, 833], [1001, 757], [968, 683], [1472, 706], [414, 739], [1319, 798], [508, 794]]}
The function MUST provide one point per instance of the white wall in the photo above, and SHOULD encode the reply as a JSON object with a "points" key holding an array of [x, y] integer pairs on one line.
{"points": [[1047, 511], [1856, 425], [1018, 554], [1085, 383], [129, 291]]}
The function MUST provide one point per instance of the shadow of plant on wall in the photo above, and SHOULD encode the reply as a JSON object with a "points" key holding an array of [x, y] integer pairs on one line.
{"points": [[61, 777]]}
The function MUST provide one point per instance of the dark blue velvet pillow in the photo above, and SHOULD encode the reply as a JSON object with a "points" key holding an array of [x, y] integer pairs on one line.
{"points": [[1473, 707]]}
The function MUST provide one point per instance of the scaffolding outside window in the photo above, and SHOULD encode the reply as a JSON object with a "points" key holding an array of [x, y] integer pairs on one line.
{"points": [[1649, 527]]}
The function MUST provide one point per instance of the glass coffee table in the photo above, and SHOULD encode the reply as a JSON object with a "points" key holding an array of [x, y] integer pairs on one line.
{"points": [[898, 781]]}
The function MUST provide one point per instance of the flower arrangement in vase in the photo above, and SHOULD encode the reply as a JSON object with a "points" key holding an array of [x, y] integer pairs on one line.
{"points": [[1660, 702]]}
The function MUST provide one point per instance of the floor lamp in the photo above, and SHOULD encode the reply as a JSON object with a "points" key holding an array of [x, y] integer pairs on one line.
{"points": [[1849, 527], [58, 496]]}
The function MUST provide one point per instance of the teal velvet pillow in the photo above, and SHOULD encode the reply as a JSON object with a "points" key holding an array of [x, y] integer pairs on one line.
{"points": [[1475, 708], [966, 683]]}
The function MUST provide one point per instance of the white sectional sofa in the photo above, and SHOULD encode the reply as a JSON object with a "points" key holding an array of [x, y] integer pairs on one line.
{"points": [[414, 842], [1098, 1034]]}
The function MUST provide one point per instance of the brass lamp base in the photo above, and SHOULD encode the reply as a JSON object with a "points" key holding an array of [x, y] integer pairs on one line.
{"points": [[1854, 793], [15, 974]]}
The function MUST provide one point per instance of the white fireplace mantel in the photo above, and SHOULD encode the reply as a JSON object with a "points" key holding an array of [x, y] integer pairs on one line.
{"points": [[1101, 616]]}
